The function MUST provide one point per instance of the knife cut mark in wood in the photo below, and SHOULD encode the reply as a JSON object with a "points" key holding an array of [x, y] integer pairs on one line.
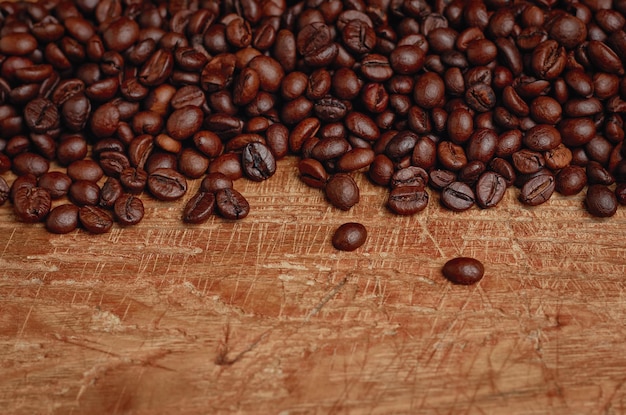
{"points": [[326, 299], [222, 358]]}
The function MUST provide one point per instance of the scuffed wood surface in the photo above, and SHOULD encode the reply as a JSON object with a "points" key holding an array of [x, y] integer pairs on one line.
{"points": [[264, 316]]}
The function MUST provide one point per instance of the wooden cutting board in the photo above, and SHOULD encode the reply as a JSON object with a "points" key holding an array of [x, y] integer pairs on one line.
{"points": [[265, 316]]}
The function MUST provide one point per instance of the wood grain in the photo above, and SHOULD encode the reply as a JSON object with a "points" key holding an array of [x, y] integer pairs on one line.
{"points": [[264, 316]]}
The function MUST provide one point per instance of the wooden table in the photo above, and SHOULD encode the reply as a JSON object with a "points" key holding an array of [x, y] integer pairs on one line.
{"points": [[265, 316]]}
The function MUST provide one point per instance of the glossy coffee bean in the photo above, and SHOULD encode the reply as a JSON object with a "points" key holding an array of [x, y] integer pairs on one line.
{"points": [[31, 204], [490, 189], [231, 204], [463, 270], [457, 196], [62, 219], [128, 209], [167, 184], [349, 236], [600, 201], [342, 191], [95, 219], [258, 162], [199, 208], [537, 190], [407, 200]]}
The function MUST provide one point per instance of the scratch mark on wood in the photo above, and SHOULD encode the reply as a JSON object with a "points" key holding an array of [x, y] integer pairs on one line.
{"points": [[326, 299], [222, 358]]}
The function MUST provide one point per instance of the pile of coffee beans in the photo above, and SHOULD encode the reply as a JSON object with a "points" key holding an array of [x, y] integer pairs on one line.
{"points": [[105, 102]]}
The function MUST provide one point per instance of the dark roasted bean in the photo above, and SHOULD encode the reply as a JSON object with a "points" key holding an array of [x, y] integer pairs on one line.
{"points": [[349, 236], [463, 270]]}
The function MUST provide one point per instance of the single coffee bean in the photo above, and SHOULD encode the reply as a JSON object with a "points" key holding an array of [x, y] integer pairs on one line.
{"points": [[407, 200], [597, 174], [85, 170], [441, 178], [4, 191], [537, 190], [231, 204], [128, 209], [258, 162], [199, 208], [342, 191], [349, 236], [312, 173], [463, 270], [27, 181], [30, 163], [409, 176], [490, 189], [192, 163], [571, 180], [167, 184], [62, 219], [457, 196], [31, 204], [110, 192], [84, 192], [94, 219], [215, 181], [600, 201]]}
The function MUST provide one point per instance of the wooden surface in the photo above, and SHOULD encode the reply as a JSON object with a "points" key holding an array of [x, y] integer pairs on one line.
{"points": [[264, 316]]}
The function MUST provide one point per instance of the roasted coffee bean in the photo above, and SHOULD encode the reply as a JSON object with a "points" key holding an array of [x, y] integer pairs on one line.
{"points": [[457, 196], [480, 97], [228, 164], [4, 191], [451, 156], [482, 145], [167, 184], [128, 210], [429, 91], [548, 59], [257, 162], [381, 169], [409, 176], [133, 179], [342, 191], [84, 192], [62, 219], [349, 236], [597, 174], [471, 172], [407, 200], [30, 163], [463, 270], [199, 208], [355, 159], [55, 182], [41, 115], [440, 178], [490, 189], [231, 204], [111, 190], [31, 204], [85, 170], [27, 181], [571, 180], [600, 201], [216, 181], [542, 137], [94, 219], [537, 189]]}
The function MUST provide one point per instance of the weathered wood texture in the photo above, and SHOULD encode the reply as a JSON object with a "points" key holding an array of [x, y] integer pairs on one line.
{"points": [[264, 316]]}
